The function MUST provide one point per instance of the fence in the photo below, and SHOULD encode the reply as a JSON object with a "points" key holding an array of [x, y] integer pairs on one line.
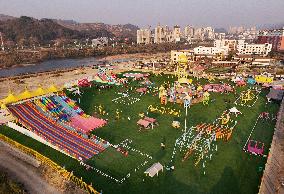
{"points": [[63, 172]]}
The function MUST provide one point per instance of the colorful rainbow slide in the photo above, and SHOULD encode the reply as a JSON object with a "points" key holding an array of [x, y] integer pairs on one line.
{"points": [[56, 134]]}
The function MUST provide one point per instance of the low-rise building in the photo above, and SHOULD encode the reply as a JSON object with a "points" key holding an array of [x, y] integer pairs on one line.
{"points": [[254, 49], [201, 50], [274, 37], [262, 61]]}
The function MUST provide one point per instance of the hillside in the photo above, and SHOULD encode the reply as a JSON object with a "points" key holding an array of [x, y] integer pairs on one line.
{"points": [[119, 31], [33, 30], [5, 17], [27, 30]]}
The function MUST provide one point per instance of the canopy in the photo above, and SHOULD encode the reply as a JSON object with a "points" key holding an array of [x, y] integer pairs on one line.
{"points": [[234, 110], [154, 169], [143, 123], [151, 120], [275, 94], [86, 125]]}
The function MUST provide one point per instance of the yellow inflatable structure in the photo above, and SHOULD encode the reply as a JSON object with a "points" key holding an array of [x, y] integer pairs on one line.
{"points": [[11, 98], [263, 79]]}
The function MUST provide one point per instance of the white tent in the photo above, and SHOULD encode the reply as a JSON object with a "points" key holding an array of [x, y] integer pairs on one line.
{"points": [[235, 110], [154, 169]]}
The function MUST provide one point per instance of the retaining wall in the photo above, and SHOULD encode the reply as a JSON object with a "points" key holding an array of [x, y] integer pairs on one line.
{"points": [[272, 181]]}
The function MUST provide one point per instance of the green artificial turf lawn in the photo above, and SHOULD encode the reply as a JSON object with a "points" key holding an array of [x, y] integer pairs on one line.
{"points": [[231, 170]]}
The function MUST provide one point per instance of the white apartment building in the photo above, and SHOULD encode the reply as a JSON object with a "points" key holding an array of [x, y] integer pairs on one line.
{"points": [[210, 50], [144, 36], [176, 53], [257, 49]]}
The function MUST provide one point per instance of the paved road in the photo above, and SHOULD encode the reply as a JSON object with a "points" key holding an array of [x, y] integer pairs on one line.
{"points": [[24, 173]]}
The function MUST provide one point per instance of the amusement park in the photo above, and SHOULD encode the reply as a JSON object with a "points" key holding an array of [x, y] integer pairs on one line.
{"points": [[148, 132]]}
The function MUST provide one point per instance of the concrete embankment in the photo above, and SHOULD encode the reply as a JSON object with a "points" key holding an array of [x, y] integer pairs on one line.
{"points": [[273, 177]]}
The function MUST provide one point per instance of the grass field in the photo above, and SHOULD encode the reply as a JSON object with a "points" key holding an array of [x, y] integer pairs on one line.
{"points": [[231, 170]]}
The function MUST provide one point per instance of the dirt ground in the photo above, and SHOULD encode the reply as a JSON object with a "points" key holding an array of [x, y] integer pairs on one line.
{"points": [[18, 84], [137, 56], [35, 180], [24, 173]]}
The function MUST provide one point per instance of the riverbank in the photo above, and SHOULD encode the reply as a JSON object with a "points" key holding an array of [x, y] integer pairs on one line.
{"points": [[62, 64], [16, 58], [18, 83]]}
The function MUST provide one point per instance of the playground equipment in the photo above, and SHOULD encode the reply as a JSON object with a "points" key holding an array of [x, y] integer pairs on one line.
{"points": [[181, 67], [104, 77], [56, 134], [218, 88], [200, 141], [251, 81], [163, 95], [255, 147], [176, 124], [164, 100], [264, 115], [261, 79], [181, 70], [206, 98], [210, 78], [84, 83], [248, 97]]}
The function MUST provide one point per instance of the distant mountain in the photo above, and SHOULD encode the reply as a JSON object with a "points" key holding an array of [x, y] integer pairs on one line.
{"points": [[119, 31], [6, 17], [45, 30], [30, 29]]}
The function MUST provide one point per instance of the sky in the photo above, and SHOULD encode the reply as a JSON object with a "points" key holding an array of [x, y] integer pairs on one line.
{"points": [[144, 13]]}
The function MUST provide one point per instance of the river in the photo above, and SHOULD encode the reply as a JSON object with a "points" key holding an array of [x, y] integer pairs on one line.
{"points": [[55, 64]]}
